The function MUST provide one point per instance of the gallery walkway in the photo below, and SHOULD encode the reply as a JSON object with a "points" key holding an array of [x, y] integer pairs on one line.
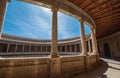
{"points": [[107, 69]]}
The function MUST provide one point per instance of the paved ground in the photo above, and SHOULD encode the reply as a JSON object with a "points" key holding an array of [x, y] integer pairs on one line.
{"points": [[107, 69]]}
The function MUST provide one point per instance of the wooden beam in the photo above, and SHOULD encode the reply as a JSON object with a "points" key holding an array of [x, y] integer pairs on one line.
{"points": [[108, 17]]}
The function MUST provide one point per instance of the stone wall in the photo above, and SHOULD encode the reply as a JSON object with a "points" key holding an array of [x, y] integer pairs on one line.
{"points": [[110, 46], [72, 65], [45, 67], [24, 68]]}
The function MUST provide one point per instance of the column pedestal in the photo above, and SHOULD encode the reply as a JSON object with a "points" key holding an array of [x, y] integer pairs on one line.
{"points": [[55, 68]]}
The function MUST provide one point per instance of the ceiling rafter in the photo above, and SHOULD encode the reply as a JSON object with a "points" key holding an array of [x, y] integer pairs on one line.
{"points": [[105, 13], [109, 17], [100, 12]]}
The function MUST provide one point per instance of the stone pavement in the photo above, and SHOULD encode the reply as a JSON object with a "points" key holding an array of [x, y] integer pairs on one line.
{"points": [[108, 68]]}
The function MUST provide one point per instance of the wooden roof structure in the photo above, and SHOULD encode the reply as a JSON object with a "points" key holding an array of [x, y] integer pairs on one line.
{"points": [[105, 13]]}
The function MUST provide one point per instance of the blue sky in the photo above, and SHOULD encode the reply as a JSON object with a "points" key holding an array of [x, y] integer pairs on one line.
{"points": [[27, 20]]}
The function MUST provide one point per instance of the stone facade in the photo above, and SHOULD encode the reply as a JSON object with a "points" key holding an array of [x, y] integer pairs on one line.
{"points": [[110, 46], [13, 44]]}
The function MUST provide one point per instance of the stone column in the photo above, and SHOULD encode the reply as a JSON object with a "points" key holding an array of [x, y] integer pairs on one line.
{"points": [[23, 48], [30, 48], [83, 42], [89, 46], [16, 48], [35, 48], [3, 5], [54, 45], [55, 60], [65, 48], [46, 49], [41, 48], [8, 48], [60, 48], [70, 48], [75, 48], [94, 42]]}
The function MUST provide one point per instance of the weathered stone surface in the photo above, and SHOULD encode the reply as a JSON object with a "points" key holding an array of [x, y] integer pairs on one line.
{"points": [[44, 67], [113, 46]]}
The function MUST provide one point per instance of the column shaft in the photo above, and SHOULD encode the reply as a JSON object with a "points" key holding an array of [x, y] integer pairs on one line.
{"points": [[16, 48], [54, 45], [30, 48], [46, 49], [89, 46], [8, 48], [35, 48], [75, 48], [83, 42], [70, 48], [23, 49], [65, 48], [94, 42]]}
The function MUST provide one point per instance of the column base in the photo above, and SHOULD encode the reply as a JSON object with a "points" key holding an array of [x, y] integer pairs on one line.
{"points": [[54, 56], [89, 53], [82, 54], [97, 56], [94, 53]]}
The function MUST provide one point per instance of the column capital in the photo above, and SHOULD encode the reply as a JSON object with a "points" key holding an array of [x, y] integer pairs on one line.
{"points": [[81, 19], [92, 29], [54, 9], [9, 0]]}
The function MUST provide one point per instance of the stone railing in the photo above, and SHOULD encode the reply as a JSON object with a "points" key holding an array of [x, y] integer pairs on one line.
{"points": [[45, 67]]}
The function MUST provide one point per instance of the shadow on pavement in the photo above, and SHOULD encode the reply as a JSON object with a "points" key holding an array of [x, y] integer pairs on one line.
{"points": [[97, 72]]}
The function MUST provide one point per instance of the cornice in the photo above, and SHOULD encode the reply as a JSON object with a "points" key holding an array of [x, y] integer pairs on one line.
{"points": [[12, 38]]}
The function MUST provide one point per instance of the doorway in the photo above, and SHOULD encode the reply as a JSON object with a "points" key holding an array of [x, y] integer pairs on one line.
{"points": [[107, 50]]}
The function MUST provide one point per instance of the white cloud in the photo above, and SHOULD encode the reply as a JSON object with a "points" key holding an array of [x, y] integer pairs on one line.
{"points": [[63, 25], [44, 25], [37, 22]]}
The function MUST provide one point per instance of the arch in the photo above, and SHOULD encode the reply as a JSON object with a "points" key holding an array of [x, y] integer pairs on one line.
{"points": [[3, 47], [107, 50]]}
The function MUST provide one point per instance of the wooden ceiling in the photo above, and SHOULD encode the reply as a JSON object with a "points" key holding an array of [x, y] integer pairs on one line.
{"points": [[105, 13]]}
